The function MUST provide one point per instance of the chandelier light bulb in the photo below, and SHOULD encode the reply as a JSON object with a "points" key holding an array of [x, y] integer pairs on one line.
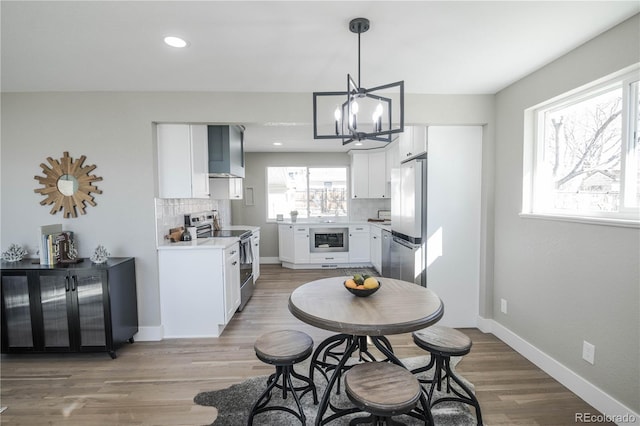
{"points": [[337, 114], [354, 107]]}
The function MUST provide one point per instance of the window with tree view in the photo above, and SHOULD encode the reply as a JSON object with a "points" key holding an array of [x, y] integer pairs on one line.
{"points": [[587, 153], [311, 191]]}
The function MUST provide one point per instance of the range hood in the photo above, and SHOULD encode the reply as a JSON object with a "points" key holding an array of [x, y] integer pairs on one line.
{"points": [[226, 151]]}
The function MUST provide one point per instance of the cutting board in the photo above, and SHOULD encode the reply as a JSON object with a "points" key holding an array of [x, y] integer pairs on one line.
{"points": [[175, 234]]}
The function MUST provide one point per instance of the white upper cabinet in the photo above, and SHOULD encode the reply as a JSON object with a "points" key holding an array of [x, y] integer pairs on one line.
{"points": [[368, 175], [183, 161], [393, 158], [412, 142], [226, 188]]}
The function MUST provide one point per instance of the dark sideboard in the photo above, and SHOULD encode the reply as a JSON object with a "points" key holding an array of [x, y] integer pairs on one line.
{"points": [[81, 307]]}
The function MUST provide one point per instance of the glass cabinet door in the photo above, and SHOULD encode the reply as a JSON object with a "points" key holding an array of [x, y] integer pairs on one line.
{"points": [[90, 306], [54, 291], [17, 314]]}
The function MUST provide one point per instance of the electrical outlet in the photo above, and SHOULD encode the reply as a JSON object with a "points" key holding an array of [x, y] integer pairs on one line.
{"points": [[588, 352], [503, 306]]}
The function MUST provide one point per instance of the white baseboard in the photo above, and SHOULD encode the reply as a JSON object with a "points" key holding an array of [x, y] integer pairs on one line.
{"points": [[593, 395], [269, 260], [149, 334]]}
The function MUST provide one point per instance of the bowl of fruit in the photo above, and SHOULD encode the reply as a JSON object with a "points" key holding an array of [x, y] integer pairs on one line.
{"points": [[362, 285]]}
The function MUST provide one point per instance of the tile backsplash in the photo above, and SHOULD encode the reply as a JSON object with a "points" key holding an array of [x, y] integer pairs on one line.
{"points": [[367, 208], [170, 212]]}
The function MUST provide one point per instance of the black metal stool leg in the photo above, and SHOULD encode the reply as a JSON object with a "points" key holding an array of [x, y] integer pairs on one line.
{"points": [[266, 395]]}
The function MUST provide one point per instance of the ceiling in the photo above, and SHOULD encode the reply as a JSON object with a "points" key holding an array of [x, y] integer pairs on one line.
{"points": [[436, 47]]}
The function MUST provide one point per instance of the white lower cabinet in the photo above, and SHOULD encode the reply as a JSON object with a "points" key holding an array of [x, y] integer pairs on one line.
{"points": [[286, 251], [375, 248], [301, 244], [255, 251], [293, 243], [359, 251], [199, 289], [329, 258], [231, 281]]}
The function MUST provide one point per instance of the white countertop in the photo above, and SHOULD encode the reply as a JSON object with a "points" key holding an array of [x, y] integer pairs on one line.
{"points": [[208, 243], [381, 225]]}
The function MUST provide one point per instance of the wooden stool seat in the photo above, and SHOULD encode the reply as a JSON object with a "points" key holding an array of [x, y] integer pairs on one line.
{"points": [[382, 389], [443, 340], [443, 343], [284, 348]]}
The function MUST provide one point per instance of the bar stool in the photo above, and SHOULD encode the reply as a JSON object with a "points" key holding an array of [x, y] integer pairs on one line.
{"points": [[283, 349], [383, 390], [443, 343]]}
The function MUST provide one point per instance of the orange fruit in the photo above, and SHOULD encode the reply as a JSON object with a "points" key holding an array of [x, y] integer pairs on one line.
{"points": [[350, 283]]}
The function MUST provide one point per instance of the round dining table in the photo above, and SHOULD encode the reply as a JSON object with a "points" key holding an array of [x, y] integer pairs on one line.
{"points": [[396, 307]]}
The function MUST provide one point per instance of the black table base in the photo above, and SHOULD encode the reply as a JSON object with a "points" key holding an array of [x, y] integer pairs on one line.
{"points": [[330, 359]]}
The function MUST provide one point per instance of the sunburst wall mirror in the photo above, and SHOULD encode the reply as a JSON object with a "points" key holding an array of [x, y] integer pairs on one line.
{"points": [[67, 185]]}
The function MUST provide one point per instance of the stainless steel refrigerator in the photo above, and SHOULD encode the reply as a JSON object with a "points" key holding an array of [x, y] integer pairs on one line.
{"points": [[409, 221]]}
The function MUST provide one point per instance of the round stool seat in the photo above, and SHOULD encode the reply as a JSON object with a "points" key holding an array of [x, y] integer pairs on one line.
{"points": [[382, 388], [283, 347], [442, 340]]}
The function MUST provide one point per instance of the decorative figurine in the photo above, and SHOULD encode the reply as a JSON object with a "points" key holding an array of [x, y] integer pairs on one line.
{"points": [[15, 253], [100, 255]]}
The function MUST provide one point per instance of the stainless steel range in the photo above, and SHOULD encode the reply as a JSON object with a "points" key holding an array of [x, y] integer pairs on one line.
{"points": [[204, 224]]}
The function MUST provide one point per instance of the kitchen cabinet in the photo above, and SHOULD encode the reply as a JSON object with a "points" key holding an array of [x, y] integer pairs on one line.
{"points": [[231, 281], [74, 308], [301, 244], [392, 159], [183, 164], [226, 188], [293, 243], [255, 250], [412, 142], [226, 151], [375, 248], [359, 246], [286, 251], [199, 289], [368, 175], [329, 258]]}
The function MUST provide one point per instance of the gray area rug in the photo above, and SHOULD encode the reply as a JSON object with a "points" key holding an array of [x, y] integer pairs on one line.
{"points": [[234, 403], [362, 271]]}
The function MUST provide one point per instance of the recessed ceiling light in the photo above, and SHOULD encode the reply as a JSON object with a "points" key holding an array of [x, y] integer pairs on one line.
{"points": [[175, 41], [358, 144], [277, 143]]}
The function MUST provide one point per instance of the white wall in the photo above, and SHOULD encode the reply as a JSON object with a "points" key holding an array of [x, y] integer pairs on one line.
{"points": [[115, 132], [567, 282], [453, 221]]}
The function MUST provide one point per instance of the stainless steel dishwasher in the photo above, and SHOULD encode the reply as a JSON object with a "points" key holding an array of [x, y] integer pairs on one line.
{"points": [[406, 261]]}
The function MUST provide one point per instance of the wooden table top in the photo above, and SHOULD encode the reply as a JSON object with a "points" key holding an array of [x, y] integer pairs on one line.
{"points": [[397, 307]]}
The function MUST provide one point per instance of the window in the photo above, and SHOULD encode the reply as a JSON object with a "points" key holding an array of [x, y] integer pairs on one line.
{"points": [[584, 160], [312, 191]]}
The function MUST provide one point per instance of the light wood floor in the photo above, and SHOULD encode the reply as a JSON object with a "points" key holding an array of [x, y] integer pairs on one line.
{"points": [[153, 383]]}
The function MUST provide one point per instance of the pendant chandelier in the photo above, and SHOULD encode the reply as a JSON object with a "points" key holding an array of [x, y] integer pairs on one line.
{"points": [[359, 113]]}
